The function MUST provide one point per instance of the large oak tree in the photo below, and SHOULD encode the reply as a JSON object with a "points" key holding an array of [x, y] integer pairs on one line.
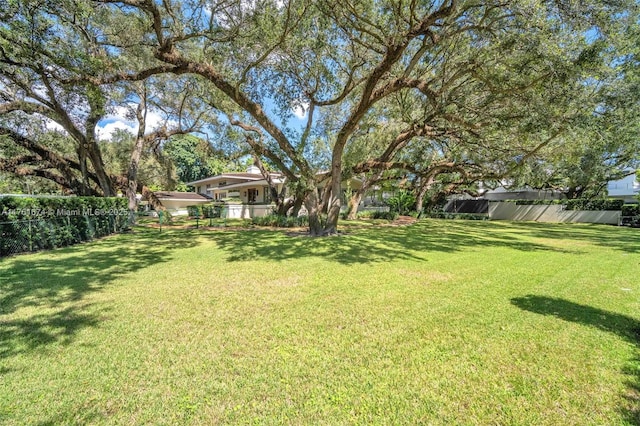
{"points": [[487, 85]]}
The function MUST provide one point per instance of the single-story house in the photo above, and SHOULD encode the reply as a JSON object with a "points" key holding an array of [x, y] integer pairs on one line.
{"points": [[246, 194], [501, 193], [249, 187], [176, 202]]}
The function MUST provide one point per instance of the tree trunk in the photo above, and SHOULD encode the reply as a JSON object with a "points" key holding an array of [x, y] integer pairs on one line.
{"points": [[297, 205], [132, 178], [93, 151], [283, 207], [334, 203], [354, 203], [312, 204], [84, 170], [425, 184], [356, 198], [134, 160]]}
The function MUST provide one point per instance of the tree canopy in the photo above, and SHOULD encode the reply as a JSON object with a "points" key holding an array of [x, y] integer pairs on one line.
{"points": [[490, 90]]}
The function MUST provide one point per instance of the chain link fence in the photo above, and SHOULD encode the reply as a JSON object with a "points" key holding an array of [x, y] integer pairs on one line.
{"points": [[41, 233]]}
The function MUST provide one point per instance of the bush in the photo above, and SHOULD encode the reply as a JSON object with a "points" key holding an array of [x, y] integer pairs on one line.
{"points": [[631, 215], [28, 224], [402, 202], [575, 204], [593, 205], [631, 210], [390, 215], [194, 211], [462, 216], [535, 202], [212, 210], [205, 211], [366, 214]]}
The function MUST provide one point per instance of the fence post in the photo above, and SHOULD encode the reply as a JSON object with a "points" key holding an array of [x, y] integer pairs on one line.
{"points": [[30, 237]]}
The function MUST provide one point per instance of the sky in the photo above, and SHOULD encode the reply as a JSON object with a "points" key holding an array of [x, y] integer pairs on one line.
{"points": [[118, 120]]}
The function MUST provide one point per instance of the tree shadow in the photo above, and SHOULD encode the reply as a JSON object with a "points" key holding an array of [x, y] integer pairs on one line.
{"points": [[621, 325], [380, 244], [56, 282]]}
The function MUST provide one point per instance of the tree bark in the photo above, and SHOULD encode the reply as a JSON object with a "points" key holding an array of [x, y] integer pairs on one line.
{"points": [[354, 203], [298, 201], [312, 204], [134, 160], [425, 184], [93, 152], [132, 178], [334, 200]]}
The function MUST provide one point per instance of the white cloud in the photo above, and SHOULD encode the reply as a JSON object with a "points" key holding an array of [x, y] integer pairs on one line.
{"points": [[120, 118], [106, 132], [300, 110]]}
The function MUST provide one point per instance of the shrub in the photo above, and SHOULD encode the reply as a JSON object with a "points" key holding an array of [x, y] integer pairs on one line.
{"points": [[594, 205], [631, 215], [378, 214], [462, 216], [205, 211], [194, 211], [575, 204], [28, 224], [402, 202], [390, 215], [631, 210], [536, 202], [212, 210]]}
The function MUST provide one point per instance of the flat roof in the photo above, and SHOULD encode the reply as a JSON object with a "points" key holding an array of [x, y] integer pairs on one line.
{"points": [[180, 196], [233, 175]]}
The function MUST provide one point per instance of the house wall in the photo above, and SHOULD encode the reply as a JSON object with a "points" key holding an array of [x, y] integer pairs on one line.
{"points": [[627, 188], [247, 211], [550, 213], [179, 207], [244, 194]]}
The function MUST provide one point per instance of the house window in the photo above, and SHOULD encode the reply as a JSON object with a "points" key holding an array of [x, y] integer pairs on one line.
{"points": [[267, 194], [252, 195], [198, 189]]}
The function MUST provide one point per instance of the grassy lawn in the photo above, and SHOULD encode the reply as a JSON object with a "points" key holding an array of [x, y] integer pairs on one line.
{"points": [[442, 322]]}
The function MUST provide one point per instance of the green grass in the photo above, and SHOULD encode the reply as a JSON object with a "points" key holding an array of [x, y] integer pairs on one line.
{"points": [[442, 322]]}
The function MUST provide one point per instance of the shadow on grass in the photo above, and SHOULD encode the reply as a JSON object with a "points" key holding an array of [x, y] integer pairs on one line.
{"points": [[379, 244], [55, 284], [624, 326]]}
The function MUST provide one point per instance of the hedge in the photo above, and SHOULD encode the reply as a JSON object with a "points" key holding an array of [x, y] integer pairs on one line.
{"points": [[29, 224], [631, 210], [535, 202], [593, 205], [461, 216]]}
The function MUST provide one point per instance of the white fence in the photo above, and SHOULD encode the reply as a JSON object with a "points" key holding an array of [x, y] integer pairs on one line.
{"points": [[550, 213]]}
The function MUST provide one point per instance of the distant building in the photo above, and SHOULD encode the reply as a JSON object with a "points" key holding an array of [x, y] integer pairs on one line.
{"points": [[626, 189]]}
